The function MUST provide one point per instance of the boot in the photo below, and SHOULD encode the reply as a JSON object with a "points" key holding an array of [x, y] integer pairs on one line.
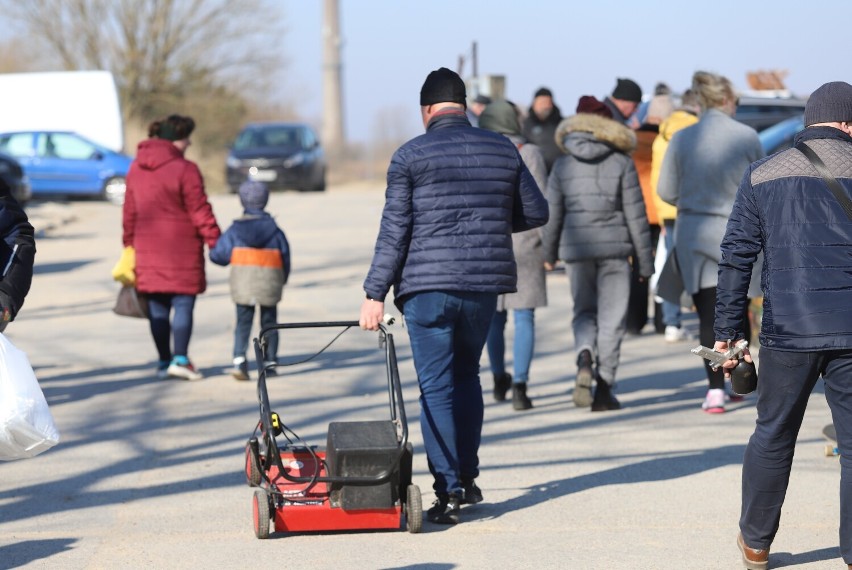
{"points": [[583, 385], [520, 401], [604, 400], [502, 383]]}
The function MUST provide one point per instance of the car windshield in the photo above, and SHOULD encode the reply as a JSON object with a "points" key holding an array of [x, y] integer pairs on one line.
{"points": [[268, 137]]}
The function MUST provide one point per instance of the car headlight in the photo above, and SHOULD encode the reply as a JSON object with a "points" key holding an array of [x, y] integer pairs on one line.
{"points": [[233, 162], [294, 160]]}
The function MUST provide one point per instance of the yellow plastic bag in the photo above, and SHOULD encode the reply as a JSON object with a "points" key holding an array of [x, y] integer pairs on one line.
{"points": [[124, 270]]}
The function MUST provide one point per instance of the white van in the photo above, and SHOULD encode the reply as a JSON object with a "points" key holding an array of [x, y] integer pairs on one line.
{"points": [[83, 102]]}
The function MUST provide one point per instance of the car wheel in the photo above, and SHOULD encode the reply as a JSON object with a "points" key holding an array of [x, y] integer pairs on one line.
{"points": [[114, 189]]}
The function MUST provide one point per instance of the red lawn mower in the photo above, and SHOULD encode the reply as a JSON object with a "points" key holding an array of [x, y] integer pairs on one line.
{"points": [[360, 480]]}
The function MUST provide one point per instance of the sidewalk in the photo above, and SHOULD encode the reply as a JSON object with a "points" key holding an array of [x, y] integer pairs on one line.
{"points": [[149, 473]]}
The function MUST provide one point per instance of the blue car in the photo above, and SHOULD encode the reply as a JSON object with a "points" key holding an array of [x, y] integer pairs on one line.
{"points": [[780, 135], [63, 163]]}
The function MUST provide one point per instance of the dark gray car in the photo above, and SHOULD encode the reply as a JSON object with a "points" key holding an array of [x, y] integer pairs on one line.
{"points": [[282, 155]]}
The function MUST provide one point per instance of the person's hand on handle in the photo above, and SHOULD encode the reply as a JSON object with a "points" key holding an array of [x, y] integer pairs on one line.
{"points": [[372, 313]]}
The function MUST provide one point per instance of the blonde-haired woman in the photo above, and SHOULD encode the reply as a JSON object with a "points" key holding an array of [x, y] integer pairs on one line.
{"points": [[700, 174]]}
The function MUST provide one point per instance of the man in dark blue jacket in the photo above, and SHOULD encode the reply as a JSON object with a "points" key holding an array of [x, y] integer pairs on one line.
{"points": [[454, 196], [785, 208]]}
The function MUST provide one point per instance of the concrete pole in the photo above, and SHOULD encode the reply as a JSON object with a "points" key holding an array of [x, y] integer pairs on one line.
{"points": [[333, 137]]}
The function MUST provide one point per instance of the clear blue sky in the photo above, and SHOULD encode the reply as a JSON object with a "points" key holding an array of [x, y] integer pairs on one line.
{"points": [[389, 46]]}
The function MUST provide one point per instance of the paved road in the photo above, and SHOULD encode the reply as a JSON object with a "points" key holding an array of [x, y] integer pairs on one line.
{"points": [[149, 473]]}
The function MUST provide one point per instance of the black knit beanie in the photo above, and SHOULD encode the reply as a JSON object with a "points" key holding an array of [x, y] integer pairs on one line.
{"points": [[443, 86], [627, 90], [830, 103]]}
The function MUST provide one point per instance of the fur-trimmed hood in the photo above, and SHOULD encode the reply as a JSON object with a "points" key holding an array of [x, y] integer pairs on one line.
{"points": [[588, 136]]}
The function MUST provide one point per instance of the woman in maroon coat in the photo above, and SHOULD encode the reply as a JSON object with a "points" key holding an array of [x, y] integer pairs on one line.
{"points": [[168, 219]]}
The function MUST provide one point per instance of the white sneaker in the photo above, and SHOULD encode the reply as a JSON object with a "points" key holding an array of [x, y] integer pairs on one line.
{"points": [[676, 334], [714, 402], [184, 371]]}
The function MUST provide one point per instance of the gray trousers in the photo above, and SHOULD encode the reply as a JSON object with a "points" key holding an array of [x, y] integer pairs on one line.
{"points": [[601, 290]]}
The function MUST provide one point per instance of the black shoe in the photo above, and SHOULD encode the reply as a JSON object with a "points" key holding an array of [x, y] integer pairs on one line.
{"points": [[472, 493], [502, 383], [520, 401], [583, 385], [445, 510], [604, 400]]}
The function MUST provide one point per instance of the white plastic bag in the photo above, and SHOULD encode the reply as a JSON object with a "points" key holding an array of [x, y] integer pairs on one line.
{"points": [[26, 425]]}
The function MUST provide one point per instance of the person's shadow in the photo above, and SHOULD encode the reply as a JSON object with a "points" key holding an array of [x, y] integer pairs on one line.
{"points": [[783, 559], [22, 553]]}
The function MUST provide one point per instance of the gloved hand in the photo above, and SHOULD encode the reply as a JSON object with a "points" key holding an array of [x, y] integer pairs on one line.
{"points": [[124, 271]]}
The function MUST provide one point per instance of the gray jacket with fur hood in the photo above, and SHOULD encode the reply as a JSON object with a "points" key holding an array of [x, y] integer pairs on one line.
{"points": [[596, 205]]}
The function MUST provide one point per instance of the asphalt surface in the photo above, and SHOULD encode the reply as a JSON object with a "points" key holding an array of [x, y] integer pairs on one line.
{"points": [[149, 473]]}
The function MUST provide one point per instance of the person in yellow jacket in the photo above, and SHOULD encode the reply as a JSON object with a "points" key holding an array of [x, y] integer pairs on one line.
{"points": [[684, 116]]}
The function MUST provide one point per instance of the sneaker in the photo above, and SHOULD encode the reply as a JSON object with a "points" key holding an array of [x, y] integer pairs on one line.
{"points": [[163, 369], [714, 402], [472, 493], [240, 369], [182, 368], [583, 385], [676, 334], [753, 559], [502, 383], [445, 510], [604, 400], [520, 400]]}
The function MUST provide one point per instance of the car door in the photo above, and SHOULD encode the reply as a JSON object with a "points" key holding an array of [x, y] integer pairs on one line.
{"points": [[21, 147], [67, 164]]}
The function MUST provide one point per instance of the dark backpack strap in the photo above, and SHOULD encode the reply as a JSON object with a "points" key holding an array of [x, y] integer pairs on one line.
{"points": [[832, 182]]}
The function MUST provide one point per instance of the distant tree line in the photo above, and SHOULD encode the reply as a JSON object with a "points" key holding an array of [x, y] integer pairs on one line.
{"points": [[211, 59]]}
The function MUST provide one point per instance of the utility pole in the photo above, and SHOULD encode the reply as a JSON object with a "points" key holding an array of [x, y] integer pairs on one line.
{"points": [[332, 123]]}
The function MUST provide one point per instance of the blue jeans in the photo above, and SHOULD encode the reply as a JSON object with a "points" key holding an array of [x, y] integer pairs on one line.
{"points": [[160, 305], [671, 311], [522, 347], [242, 332], [447, 332], [786, 382]]}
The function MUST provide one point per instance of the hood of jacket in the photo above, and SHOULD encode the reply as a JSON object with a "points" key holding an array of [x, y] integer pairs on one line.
{"points": [[255, 228], [500, 117], [154, 153], [590, 137], [676, 121]]}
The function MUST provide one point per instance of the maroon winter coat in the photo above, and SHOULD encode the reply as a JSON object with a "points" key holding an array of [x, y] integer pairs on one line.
{"points": [[168, 219]]}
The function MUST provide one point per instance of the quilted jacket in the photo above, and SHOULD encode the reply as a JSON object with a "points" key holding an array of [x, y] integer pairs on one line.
{"points": [[785, 208], [596, 205], [454, 196], [259, 255]]}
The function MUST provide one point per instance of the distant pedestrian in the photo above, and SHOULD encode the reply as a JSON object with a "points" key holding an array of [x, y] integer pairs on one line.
{"points": [[785, 208], [259, 256], [167, 219], [479, 103], [597, 223], [685, 115], [455, 195], [540, 126], [502, 117], [623, 102], [700, 173], [17, 255]]}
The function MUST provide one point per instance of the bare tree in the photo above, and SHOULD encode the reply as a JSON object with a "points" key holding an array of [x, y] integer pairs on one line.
{"points": [[163, 53]]}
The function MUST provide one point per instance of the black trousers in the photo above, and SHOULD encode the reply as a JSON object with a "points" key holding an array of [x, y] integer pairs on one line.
{"points": [[637, 305]]}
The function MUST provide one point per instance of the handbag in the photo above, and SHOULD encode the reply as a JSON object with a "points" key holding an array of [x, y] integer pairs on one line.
{"points": [[670, 285], [26, 424], [131, 303]]}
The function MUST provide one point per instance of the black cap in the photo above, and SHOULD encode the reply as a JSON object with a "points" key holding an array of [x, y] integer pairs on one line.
{"points": [[627, 90], [443, 86], [830, 103], [482, 99]]}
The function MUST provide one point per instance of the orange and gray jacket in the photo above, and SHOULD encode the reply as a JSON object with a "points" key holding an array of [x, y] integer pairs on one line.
{"points": [[259, 256]]}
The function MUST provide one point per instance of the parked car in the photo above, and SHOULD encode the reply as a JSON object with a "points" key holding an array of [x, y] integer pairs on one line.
{"points": [[780, 135], [283, 155], [763, 112], [67, 164], [12, 175]]}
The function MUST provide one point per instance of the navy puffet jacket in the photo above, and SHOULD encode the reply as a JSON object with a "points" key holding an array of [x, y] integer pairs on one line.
{"points": [[784, 207], [454, 196]]}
